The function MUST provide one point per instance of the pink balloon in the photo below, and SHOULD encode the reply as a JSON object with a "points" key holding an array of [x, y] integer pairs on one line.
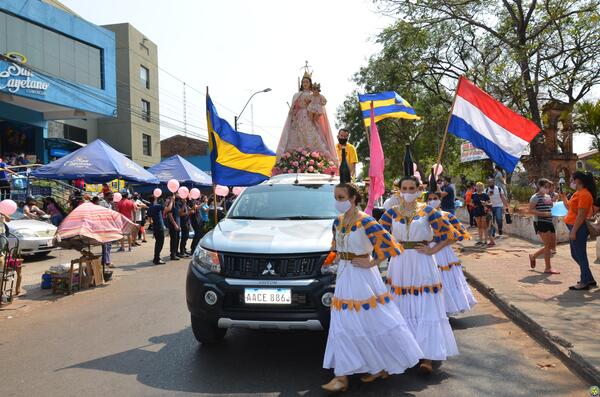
{"points": [[117, 197], [173, 185], [438, 169], [415, 168], [194, 193], [183, 192], [222, 190], [417, 175], [8, 207], [157, 192], [238, 190]]}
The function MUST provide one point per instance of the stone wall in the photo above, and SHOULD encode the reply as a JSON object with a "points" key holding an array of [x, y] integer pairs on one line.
{"points": [[522, 226]]}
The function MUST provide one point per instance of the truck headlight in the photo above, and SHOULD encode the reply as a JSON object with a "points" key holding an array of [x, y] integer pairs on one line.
{"points": [[206, 261]]}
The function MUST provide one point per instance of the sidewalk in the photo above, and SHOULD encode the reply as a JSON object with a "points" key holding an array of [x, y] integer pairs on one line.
{"points": [[567, 322], [33, 297]]}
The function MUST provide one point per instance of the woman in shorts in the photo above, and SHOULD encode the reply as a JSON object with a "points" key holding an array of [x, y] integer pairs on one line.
{"points": [[540, 206]]}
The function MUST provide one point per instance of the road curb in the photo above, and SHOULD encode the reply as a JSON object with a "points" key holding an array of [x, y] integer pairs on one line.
{"points": [[561, 348]]}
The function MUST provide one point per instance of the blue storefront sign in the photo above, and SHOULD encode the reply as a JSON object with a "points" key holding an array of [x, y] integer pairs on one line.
{"points": [[54, 65], [59, 152]]}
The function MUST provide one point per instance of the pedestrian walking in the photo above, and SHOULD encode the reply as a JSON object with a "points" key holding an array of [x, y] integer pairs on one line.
{"points": [[579, 209], [368, 334], [127, 207], [498, 201], [184, 224], [140, 218], [448, 196], [414, 279], [106, 202], [172, 217], [481, 203], [469, 202], [458, 297], [196, 222], [156, 211], [540, 206]]}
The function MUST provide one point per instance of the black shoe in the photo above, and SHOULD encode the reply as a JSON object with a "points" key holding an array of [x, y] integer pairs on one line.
{"points": [[180, 256], [579, 287], [159, 262], [174, 258]]}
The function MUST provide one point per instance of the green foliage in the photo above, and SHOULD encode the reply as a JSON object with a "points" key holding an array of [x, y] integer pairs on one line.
{"points": [[587, 121], [522, 194]]}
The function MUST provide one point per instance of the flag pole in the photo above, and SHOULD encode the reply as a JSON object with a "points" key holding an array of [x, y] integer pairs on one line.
{"points": [[443, 144], [210, 137]]}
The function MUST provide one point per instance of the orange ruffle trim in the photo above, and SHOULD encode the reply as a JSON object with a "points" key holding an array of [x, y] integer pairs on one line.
{"points": [[367, 304]]}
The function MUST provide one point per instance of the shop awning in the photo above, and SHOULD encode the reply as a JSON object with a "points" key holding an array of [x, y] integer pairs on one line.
{"points": [[176, 167], [97, 162]]}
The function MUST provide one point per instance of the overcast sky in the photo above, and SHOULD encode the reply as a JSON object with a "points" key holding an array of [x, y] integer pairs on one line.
{"points": [[237, 47]]}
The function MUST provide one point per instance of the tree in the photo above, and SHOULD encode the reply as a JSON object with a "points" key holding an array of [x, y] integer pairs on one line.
{"points": [[587, 121], [521, 52]]}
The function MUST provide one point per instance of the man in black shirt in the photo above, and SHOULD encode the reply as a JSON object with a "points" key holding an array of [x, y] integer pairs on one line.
{"points": [[448, 196]]}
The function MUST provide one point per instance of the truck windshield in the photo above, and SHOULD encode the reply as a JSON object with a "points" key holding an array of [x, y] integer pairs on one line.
{"points": [[285, 202]]}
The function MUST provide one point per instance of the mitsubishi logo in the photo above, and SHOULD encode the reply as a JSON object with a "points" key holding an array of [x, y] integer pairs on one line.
{"points": [[269, 270]]}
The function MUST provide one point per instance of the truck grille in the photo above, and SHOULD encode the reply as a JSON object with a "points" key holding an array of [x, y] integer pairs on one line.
{"points": [[271, 266]]}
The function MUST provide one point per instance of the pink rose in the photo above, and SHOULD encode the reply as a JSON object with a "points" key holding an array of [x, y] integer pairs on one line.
{"points": [[302, 169], [315, 155], [311, 168], [304, 153], [302, 158], [311, 162], [331, 163], [295, 163], [300, 150], [290, 172]]}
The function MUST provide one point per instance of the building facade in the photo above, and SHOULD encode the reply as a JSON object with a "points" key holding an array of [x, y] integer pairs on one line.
{"points": [[136, 129], [193, 150], [55, 68]]}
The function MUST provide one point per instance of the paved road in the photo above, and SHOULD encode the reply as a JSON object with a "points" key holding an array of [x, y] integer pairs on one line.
{"points": [[132, 338]]}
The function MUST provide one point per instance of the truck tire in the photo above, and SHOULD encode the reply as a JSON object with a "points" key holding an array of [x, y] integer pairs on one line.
{"points": [[207, 333]]}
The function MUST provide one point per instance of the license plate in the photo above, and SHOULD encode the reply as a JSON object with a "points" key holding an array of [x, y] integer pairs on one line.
{"points": [[268, 296]]}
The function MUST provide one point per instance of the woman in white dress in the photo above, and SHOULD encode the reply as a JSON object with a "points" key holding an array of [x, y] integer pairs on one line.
{"points": [[458, 296], [367, 333], [413, 277], [307, 126]]}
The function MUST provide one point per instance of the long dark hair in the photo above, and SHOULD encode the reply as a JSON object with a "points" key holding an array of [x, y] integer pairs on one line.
{"points": [[587, 180], [353, 192], [301, 81]]}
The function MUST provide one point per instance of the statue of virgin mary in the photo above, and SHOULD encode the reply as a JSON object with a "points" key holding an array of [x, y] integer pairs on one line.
{"points": [[307, 126]]}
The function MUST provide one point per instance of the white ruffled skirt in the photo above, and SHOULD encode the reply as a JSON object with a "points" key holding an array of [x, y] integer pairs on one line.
{"points": [[415, 284], [458, 296], [367, 333]]}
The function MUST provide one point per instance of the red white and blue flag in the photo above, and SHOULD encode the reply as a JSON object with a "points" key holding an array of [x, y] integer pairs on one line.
{"points": [[490, 126]]}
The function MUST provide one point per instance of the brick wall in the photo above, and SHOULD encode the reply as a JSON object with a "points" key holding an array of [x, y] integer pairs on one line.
{"points": [[183, 146]]}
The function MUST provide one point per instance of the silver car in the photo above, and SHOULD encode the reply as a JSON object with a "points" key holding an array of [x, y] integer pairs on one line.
{"points": [[34, 237]]}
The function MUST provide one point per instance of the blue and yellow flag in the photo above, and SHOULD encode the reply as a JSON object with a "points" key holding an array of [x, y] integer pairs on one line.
{"points": [[237, 159], [386, 104]]}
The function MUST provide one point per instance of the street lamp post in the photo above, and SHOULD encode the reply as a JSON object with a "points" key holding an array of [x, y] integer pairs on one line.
{"points": [[236, 118]]}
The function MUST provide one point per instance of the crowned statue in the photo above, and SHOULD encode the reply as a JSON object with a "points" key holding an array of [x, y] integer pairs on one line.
{"points": [[307, 127]]}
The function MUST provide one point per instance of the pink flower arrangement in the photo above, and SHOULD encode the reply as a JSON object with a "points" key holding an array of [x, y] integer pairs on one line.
{"points": [[304, 160]]}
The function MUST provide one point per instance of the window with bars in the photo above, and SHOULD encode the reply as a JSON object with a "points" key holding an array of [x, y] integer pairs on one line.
{"points": [[145, 110], [147, 145]]}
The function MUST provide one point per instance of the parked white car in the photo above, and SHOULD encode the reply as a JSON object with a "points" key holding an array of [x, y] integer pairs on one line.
{"points": [[34, 237]]}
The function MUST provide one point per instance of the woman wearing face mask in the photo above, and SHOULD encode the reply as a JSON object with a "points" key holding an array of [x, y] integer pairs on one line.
{"points": [[413, 277], [481, 202], [540, 205], [367, 333], [580, 207], [458, 296]]}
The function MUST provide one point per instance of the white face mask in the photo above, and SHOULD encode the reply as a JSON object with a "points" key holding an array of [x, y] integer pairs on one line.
{"points": [[573, 185], [342, 206], [410, 197], [434, 203]]}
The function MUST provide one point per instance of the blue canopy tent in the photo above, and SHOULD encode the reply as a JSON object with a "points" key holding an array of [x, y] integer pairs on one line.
{"points": [[97, 162], [176, 167]]}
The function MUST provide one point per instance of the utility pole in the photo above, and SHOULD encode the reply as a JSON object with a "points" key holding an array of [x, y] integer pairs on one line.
{"points": [[184, 112]]}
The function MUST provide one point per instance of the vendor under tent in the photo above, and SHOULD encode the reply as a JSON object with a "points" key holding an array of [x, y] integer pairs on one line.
{"points": [[178, 168], [97, 162]]}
